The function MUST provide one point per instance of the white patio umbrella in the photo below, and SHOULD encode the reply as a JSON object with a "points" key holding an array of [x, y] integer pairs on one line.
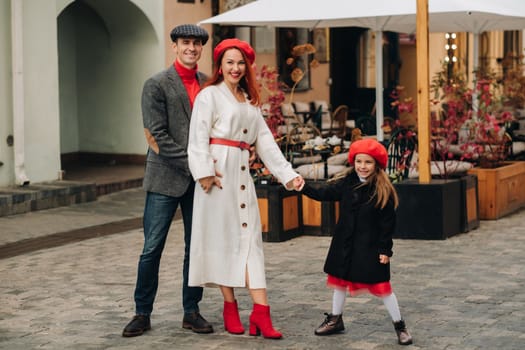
{"points": [[475, 16], [320, 14], [382, 15]]}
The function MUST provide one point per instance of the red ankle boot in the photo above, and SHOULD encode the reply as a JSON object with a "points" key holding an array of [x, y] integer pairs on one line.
{"points": [[232, 321], [260, 322]]}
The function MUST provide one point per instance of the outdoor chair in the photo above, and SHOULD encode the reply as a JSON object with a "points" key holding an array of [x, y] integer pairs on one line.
{"points": [[367, 124], [301, 110], [400, 148], [338, 123], [316, 118], [326, 118]]}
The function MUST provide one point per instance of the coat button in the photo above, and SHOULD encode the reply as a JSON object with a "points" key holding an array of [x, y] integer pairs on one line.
{"points": [[243, 168], [243, 187], [244, 225], [243, 206], [245, 131]]}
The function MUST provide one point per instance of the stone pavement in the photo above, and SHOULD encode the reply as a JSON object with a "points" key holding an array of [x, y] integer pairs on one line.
{"points": [[463, 293]]}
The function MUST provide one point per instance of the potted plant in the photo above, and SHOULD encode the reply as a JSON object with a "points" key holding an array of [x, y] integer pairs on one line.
{"points": [[482, 115], [435, 210], [269, 84], [513, 81], [502, 186]]}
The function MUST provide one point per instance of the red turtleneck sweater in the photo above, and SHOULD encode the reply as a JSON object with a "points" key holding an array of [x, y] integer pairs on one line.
{"points": [[189, 79]]}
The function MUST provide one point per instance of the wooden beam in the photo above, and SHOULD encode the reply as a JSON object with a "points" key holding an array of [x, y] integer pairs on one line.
{"points": [[423, 85]]}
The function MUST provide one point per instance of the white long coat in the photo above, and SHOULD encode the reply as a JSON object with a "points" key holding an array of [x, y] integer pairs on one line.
{"points": [[226, 238]]}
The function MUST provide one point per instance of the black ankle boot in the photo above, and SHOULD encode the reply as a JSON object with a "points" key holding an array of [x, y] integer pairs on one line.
{"points": [[137, 326], [403, 337], [332, 324]]}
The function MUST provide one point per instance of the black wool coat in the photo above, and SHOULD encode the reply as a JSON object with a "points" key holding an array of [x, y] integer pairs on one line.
{"points": [[361, 233]]}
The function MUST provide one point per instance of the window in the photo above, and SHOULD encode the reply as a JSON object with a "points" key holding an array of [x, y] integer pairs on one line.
{"points": [[288, 38]]}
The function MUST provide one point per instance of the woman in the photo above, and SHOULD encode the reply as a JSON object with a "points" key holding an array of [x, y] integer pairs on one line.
{"points": [[226, 245], [359, 256]]}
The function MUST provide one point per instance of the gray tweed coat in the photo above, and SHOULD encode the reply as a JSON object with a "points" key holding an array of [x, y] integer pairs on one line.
{"points": [[166, 113]]}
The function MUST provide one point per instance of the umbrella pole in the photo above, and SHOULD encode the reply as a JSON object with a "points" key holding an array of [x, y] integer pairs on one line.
{"points": [[379, 84]]}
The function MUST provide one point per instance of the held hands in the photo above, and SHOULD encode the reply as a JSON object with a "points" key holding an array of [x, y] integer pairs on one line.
{"points": [[208, 182], [297, 183], [384, 259]]}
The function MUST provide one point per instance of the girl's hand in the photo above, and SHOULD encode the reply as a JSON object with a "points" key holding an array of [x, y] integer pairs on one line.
{"points": [[384, 259]]}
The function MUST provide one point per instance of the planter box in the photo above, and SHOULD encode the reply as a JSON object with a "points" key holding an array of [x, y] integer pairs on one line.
{"points": [[501, 190], [280, 212], [469, 203], [318, 218], [428, 210]]}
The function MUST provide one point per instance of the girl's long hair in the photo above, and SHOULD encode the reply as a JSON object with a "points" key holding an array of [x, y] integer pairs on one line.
{"points": [[248, 82], [383, 189]]}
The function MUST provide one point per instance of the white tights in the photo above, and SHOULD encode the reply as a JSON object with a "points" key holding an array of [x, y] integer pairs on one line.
{"points": [[338, 301], [390, 302]]}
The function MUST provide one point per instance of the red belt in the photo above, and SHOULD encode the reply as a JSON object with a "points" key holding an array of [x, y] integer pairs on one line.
{"points": [[231, 143]]}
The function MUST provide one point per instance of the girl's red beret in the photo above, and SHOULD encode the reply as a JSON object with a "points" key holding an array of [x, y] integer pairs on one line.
{"points": [[371, 147]]}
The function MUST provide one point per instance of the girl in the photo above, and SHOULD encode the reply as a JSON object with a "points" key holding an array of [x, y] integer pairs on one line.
{"points": [[226, 243], [359, 256]]}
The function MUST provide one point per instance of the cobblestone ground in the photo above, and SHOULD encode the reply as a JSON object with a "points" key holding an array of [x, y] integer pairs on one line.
{"points": [[464, 293]]}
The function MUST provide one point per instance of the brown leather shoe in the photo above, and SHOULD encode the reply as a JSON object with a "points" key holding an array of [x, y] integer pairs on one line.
{"points": [[196, 323], [137, 326], [332, 324], [403, 337]]}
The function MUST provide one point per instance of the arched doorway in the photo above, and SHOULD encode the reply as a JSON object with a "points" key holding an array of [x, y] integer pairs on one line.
{"points": [[106, 50]]}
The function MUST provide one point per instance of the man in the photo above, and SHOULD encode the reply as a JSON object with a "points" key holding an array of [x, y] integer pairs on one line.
{"points": [[167, 100]]}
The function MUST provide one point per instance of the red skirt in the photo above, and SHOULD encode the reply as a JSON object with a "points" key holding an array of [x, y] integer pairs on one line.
{"points": [[381, 289]]}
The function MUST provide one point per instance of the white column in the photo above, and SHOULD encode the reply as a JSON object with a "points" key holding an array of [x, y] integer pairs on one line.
{"points": [[243, 33], [18, 93]]}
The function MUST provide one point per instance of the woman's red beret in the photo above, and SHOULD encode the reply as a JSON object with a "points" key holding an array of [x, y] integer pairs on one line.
{"points": [[234, 42]]}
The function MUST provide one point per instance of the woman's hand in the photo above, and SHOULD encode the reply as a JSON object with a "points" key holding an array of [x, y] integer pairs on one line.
{"points": [[384, 259], [208, 182], [253, 155]]}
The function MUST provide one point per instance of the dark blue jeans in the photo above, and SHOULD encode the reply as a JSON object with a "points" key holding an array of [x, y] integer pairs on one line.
{"points": [[159, 211]]}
